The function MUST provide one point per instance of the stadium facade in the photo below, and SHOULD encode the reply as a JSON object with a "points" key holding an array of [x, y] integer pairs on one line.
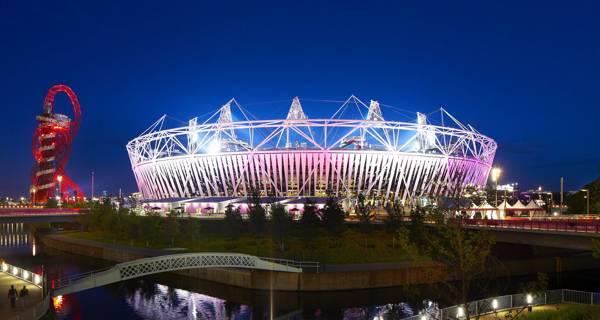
{"points": [[298, 156]]}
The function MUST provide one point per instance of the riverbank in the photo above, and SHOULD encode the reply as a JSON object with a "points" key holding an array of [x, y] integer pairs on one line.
{"points": [[350, 247], [335, 277], [381, 276]]}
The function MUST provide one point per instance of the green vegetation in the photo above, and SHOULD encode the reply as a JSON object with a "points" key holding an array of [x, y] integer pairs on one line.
{"points": [[279, 236], [577, 203], [326, 239], [51, 203], [565, 312]]}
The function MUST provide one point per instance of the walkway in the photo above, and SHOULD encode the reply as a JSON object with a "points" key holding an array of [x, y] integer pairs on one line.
{"points": [[35, 296]]}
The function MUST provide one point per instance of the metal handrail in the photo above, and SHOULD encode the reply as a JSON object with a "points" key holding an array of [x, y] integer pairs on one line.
{"points": [[294, 263], [509, 302], [563, 225], [68, 279]]}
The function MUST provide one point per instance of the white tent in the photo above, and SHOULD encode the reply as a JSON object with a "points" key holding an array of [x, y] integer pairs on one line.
{"points": [[502, 208], [532, 205], [519, 207], [534, 209], [489, 211], [504, 205]]}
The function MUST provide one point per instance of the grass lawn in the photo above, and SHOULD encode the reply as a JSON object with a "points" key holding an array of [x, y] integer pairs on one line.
{"points": [[565, 312], [350, 248]]}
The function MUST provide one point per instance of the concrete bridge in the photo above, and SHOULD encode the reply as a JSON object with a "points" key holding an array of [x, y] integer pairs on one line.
{"points": [[11, 215], [574, 234], [147, 266]]}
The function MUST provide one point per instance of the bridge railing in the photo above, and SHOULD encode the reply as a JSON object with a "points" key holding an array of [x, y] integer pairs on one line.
{"points": [[582, 226], [174, 262], [513, 302], [313, 266], [61, 282], [23, 274], [17, 212]]}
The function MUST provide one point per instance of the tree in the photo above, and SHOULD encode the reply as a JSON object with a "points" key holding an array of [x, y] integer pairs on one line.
{"points": [[416, 228], [466, 253], [596, 248], [280, 223], [365, 216], [537, 285], [309, 220], [170, 227], [577, 202], [257, 216], [309, 223], [333, 217], [394, 220], [51, 203], [233, 221], [149, 227]]}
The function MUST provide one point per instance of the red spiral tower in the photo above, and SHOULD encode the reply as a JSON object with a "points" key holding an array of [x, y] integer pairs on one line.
{"points": [[51, 148]]}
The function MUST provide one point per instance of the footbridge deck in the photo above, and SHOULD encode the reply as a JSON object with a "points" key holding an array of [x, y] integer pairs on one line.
{"points": [[147, 266]]}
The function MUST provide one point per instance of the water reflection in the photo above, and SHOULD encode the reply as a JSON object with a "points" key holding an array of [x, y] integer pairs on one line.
{"points": [[387, 311], [15, 238], [163, 302], [151, 300]]}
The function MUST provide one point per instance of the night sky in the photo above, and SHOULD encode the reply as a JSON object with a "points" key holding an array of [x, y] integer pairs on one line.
{"points": [[527, 76]]}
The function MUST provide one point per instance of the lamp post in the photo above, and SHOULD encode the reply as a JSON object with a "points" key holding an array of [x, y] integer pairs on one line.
{"points": [[59, 178], [92, 186], [587, 197], [33, 190], [495, 177]]}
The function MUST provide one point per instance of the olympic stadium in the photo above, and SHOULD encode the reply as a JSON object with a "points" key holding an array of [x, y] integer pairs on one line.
{"points": [[356, 150]]}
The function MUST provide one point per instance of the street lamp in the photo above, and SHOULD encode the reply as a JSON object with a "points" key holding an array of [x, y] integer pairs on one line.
{"points": [[495, 177], [33, 190], [587, 197], [59, 178]]}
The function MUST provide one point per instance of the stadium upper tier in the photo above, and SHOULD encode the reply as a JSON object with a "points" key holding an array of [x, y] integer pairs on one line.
{"points": [[298, 156]]}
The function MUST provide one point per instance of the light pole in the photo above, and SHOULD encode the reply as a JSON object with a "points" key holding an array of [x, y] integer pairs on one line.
{"points": [[92, 186], [59, 178], [495, 177], [587, 197], [33, 190]]}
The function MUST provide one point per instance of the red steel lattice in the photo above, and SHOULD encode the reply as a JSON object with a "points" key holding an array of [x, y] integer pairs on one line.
{"points": [[51, 148]]}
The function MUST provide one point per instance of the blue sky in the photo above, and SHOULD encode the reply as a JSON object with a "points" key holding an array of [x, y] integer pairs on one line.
{"points": [[524, 74]]}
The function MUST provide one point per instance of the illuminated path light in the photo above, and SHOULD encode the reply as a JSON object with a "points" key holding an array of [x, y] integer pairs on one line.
{"points": [[300, 156]]}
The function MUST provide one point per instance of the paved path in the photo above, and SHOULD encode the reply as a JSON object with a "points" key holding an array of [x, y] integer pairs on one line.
{"points": [[6, 280]]}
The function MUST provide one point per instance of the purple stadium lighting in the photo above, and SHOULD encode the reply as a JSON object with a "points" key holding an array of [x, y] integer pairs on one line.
{"points": [[303, 157]]}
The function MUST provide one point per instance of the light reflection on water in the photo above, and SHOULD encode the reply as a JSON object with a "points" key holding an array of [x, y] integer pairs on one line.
{"points": [[168, 303], [15, 239], [146, 299]]}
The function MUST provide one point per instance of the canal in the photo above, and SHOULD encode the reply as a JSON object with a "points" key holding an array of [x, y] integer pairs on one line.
{"points": [[175, 297]]}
